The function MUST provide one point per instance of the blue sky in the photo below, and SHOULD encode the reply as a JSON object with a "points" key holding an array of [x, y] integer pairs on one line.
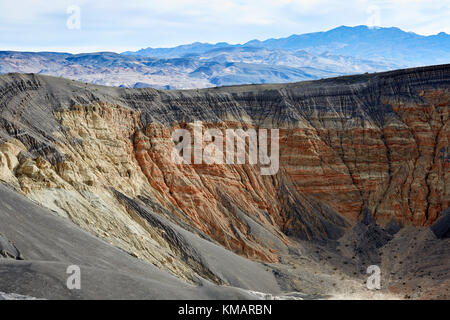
{"points": [[133, 24]]}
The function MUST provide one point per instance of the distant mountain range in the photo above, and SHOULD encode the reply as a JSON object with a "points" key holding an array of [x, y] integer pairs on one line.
{"points": [[340, 51], [360, 42]]}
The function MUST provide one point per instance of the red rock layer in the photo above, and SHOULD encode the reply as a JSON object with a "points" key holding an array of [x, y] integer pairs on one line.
{"points": [[211, 195], [399, 170]]}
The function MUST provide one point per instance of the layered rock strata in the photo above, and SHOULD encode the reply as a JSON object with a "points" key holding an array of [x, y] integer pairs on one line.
{"points": [[375, 141]]}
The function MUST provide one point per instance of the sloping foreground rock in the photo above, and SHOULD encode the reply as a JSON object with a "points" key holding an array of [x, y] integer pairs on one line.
{"points": [[50, 244]]}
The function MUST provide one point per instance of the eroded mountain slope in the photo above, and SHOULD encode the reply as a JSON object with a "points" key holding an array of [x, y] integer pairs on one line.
{"points": [[101, 157]]}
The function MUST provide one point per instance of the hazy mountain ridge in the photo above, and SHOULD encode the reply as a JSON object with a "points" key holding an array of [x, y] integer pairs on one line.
{"points": [[341, 51], [391, 44], [224, 67]]}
